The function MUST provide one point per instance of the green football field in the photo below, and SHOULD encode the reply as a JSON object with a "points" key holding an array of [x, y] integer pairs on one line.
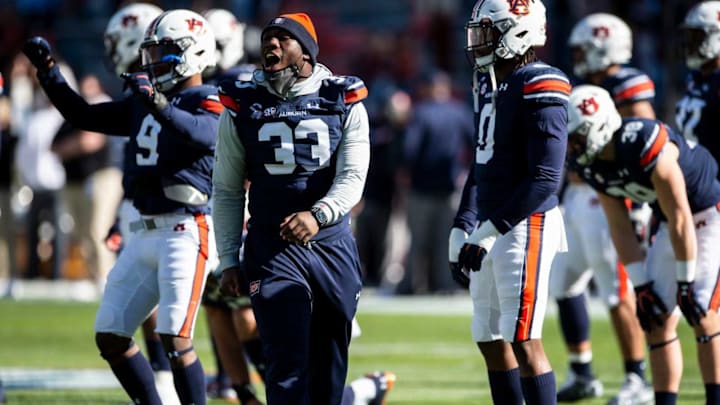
{"points": [[430, 351]]}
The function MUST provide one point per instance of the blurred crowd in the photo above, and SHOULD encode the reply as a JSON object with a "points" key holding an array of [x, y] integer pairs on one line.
{"points": [[60, 187]]}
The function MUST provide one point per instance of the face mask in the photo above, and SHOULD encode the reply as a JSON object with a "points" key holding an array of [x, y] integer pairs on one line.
{"points": [[282, 80]]}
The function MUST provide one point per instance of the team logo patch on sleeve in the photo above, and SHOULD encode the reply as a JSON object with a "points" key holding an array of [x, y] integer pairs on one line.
{"points": [[254, 287]]}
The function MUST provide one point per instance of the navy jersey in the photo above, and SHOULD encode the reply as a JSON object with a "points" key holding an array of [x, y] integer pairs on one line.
{"points": [[697, 114], [629, 85], [172, 147], [291, 144], [638, 144], [520, 145]]}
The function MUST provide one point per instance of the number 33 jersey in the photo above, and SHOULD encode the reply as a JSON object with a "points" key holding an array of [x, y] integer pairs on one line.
{"points": [[696, 114], [291, 145], [638, 145]]}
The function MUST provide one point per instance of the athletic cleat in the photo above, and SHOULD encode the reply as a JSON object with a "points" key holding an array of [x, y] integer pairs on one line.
{"points": [[384, 382], [216, 390], [577, 388], [635, 391]]}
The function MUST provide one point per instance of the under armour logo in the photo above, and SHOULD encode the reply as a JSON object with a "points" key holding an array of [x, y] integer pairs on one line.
{"points": [[601, 32], [179, 227], [700, 224], [503, 87], [194, 23], [588, 106], [519, 7], [129, 20]]}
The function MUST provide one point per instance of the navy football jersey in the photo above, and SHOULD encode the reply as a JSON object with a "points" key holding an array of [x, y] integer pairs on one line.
{"points": [[629, 85], [520, 144], [291, 144], [173, 147], [697, 114], [638, 144]]}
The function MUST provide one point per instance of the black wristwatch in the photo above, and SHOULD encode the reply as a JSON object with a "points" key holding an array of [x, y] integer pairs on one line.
{"points": [[319, 215]]}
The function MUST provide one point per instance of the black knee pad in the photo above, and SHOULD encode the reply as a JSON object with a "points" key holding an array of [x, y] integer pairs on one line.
{"points": [[112, 346]]}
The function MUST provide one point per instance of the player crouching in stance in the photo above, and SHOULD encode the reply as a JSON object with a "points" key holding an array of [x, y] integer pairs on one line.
{"points": [[514, 222], [642, 159], [171, 123]]}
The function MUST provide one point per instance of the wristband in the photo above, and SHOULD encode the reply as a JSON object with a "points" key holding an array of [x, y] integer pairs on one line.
{"points": [[636, 272], [685, 270]]}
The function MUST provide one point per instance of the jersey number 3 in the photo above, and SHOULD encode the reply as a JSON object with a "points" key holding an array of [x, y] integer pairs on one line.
{"points": [[486, 135], [287, 156]]}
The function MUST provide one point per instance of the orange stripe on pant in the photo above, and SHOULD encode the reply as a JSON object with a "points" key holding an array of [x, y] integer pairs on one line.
{"points": [[199, 279], [530, 277], [622, 279]]}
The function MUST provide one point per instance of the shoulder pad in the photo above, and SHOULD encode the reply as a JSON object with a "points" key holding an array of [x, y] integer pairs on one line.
{"points": [[352, 88], [231, 91], [545, 84]]}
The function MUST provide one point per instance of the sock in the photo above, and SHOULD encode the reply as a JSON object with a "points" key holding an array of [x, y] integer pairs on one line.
{"points": [[156, 355], [539, 389], [190, 383], [712, 393], [505, 386], [348, 397], [581, 364], [136, 377], [665, 398], [363, 390], [254, 351], [574, 319], [635, 366]]}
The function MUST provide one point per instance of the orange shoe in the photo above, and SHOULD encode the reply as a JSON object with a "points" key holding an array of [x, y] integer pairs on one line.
{"points": [[384, 382]]}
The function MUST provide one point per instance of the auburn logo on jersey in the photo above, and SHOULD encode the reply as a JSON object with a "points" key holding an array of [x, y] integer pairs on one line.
{"points": [[588, 106], [519, 7]]}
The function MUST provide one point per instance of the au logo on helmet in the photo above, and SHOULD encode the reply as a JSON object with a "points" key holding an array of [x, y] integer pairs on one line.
{"points": [[601, 32], [193, 24], [588, 106], [129, 20], [519, 7]]}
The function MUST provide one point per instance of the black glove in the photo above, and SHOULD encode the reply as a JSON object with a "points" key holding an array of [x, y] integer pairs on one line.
{"points": [[38, 50], [471, 257], [141, 86], [459, 275], [690, 308], [649, 306]]}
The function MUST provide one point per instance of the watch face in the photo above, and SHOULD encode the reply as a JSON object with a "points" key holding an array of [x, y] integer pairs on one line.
{"points": [[320, 216]]}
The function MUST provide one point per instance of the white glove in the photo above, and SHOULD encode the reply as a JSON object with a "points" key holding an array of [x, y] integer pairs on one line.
{"points": [[455, 243]]}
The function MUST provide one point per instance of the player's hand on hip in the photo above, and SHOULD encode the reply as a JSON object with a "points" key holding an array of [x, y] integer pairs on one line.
{"points": [[140, 85], [299, 228], [455, 243], [38, 50], [233, 282], [649, 307], [691, 309]]}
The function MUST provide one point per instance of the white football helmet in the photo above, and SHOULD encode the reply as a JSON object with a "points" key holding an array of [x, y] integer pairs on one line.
{"points": [[178, 44], [604, 40], [592, 121], [504, 29], [229, 37], [124, 33], [702, 27]]}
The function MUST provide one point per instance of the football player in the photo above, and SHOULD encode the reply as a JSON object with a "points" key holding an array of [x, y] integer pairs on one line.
{"points": [[601, 47], [230, 319], [124, 33], [510, 206], [698, 112], [299, 134], [644, 160], [171, 123]]}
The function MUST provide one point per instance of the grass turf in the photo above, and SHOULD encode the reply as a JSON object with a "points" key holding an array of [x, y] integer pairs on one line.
{"points": [[433, 356]]}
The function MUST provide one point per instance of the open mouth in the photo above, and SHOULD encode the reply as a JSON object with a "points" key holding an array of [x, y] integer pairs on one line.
{"points": [[271, 59]]}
